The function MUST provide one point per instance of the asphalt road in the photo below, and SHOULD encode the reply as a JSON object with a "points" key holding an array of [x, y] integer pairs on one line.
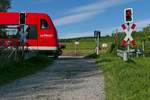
{"points": [[67, 79]]}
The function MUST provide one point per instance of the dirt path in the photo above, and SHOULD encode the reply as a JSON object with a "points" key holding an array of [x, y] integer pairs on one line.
{"points": [[66, 79]]}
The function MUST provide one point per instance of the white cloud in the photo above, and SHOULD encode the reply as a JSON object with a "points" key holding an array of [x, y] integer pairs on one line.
{"points": [[88, 11], [143, 23], [140, 24], [74, 18], [77, 34], [99, 5]]}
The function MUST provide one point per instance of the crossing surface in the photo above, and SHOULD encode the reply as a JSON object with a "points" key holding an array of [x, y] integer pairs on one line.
{"points": [[67, 79]]}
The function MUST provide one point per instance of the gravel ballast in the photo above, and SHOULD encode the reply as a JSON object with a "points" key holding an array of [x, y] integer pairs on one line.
{"points": [[66, 79]]}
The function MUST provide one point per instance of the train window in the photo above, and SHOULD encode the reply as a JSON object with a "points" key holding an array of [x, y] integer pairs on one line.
{"points": [[11, 31], [8, 31], [44, 24], [32, 33]]}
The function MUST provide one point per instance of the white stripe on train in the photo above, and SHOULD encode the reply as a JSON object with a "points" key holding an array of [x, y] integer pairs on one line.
{"points": [[41, 48]]}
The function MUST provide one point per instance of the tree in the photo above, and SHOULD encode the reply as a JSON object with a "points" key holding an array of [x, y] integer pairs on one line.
{"points": [[146, 32], [5, 5]]}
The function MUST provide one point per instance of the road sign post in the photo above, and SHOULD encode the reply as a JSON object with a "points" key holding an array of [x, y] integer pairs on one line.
{"points": [[97, 35], [76, 46]]}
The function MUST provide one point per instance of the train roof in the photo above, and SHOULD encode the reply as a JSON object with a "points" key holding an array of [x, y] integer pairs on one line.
{"points": [[14, 17]]}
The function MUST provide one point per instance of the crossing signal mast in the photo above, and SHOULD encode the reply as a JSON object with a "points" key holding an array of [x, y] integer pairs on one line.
{"points": [[128, 28]]}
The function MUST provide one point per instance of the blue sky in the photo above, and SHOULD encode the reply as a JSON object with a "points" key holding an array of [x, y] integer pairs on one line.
{"points": [[78, 18]]}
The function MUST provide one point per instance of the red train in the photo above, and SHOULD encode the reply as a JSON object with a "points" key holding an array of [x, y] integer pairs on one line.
{"points": [[39, 32]]}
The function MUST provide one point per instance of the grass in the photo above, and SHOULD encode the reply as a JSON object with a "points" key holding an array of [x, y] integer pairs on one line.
{"points": [[125, 80], [11, 70], [84, 44], [87, 45]]}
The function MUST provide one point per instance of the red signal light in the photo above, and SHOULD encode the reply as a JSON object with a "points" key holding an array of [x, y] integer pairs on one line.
{"points": [[128, 12], [128, 15]]}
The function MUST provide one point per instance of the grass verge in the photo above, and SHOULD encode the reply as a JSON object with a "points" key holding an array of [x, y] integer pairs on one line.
{"points": [[126, 80], [11, 70]]}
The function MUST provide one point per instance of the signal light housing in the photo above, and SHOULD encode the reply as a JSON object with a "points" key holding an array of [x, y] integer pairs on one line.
{"points": [[128, 15]]}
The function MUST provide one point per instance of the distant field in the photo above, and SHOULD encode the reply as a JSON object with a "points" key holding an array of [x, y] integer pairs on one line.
{"points": [[125, 80], [87, 45]]}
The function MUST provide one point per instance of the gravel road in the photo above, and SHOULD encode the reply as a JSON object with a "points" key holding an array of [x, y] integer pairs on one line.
{"points": [[66, 79]]}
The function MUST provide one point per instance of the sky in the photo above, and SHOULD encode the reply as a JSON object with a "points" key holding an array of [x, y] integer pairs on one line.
{"points": [[79, 18]]}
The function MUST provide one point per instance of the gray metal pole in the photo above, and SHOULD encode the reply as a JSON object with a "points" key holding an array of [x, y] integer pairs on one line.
{"points": [[97, 51]]}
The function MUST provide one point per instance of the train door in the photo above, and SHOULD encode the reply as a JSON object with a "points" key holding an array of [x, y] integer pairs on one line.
{"points": [[45, 33], [32, 37]]}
